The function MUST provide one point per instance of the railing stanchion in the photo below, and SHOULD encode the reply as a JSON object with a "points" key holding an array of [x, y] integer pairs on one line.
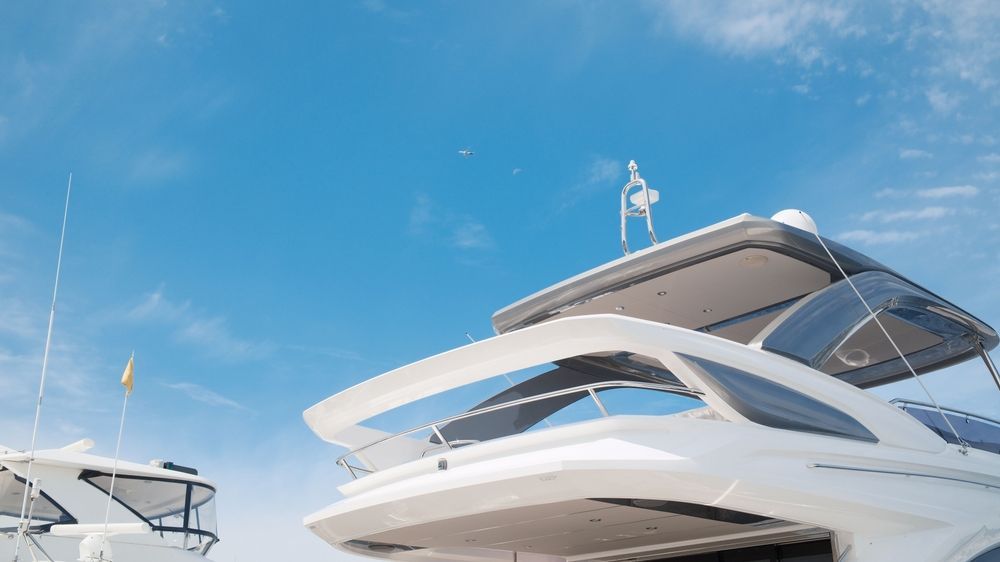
{"points": [[600, 405], [343, 462], [437, 432]]}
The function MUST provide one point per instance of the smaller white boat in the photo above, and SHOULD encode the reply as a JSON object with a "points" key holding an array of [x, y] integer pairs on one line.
{"points": [[161, 512]]}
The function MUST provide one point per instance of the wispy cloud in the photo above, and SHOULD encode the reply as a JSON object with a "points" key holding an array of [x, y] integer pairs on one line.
{"points": [[961, 191], [459, 230], [384, 8], [942, 101], [201, 394], [213, 335], [209, 333], [993, 158], [158, 165], [927, 213], [914, 154], [471, 234], [12, 227], [943, 192], [421, 214], [787, 28], [875, 237], [602, 174]]}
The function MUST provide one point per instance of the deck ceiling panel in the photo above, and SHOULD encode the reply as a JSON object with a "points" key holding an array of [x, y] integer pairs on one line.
{"points": [[570, 528], [713, 291]]}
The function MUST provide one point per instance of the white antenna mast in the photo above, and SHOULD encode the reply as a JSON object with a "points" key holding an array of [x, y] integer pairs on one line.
{"points": [[22, 527]]}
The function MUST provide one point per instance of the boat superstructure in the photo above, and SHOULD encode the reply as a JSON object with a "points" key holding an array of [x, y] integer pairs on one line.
{"points": [[699, 400], [161, 512]]}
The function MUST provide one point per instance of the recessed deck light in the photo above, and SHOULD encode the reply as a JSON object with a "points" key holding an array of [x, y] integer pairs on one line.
{"points": [[661, 293], [619, 308], [706, 310]]}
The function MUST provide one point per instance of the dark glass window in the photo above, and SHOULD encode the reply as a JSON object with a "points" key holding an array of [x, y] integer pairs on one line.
{"points": [[979, 432], [771, 404], [811, 551], [183, 513], [992, 555], [45, 511]]}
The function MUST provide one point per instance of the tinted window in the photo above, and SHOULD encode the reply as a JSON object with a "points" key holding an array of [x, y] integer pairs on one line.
{"points": [[182, 513], [980, 433], [771, 404], [11, 498], [988, 556]]}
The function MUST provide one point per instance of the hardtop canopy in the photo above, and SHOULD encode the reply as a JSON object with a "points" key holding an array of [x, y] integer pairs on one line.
{"points": [[744, 278]]}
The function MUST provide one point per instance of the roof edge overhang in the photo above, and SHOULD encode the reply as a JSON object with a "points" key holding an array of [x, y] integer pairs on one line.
{"points": [[742, 231]]}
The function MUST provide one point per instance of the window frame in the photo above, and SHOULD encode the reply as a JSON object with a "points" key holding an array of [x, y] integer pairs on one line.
{"points": [[87, 475], [45, 527], [757, 415]]}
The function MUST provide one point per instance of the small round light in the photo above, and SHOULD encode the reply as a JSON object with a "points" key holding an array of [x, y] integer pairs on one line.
{"points": [[619, 308], [854, 357], [661, 293], [706, 310]]}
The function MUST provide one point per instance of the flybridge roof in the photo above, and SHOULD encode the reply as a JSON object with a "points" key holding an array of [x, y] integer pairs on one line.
{"points": [[764, 283], [84, 461]]}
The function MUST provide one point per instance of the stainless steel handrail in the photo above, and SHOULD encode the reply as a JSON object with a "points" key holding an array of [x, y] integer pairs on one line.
{"points": [[905, 402], [588, 389], [900, 473]]}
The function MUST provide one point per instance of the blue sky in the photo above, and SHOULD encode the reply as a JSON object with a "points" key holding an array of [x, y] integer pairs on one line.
{"points": [[269, 205]]}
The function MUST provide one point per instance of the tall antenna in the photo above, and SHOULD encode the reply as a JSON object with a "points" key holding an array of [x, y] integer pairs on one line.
{"points": [[22, 524]]}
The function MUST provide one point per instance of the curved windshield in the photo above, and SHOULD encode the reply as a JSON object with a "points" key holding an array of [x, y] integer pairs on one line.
{"points": [[182, 513], [831, 331], [44, 512]]}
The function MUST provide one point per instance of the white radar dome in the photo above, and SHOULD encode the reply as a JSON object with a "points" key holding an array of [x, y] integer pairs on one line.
{"points": [[798, 219]]}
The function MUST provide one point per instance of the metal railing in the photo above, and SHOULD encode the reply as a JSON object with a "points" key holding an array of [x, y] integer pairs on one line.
{"points": [[902, 403], [590, 390]]}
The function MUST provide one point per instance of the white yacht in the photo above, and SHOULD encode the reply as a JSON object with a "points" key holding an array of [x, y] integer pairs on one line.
{"points": [[703, 399], [161, 512]]}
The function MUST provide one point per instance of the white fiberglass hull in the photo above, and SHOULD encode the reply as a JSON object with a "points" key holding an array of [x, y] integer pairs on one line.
{"points": [[539, 501]]}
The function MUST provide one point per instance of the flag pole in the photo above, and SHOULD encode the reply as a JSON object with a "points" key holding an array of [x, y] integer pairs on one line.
{"points": [[127, 378], [45, 365]]}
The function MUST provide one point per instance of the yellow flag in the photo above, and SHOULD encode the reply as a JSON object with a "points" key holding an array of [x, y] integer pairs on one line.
{"points": [[128, 377]]}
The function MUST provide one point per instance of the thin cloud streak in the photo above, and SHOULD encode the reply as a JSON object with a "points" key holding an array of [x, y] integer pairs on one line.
{"points": [[914, 154], [459, 230], [211, 334], [601, 173], [201, 394], [927, 213], [963, 191], [876, 237]]}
